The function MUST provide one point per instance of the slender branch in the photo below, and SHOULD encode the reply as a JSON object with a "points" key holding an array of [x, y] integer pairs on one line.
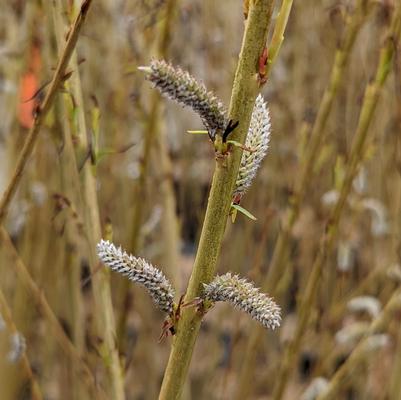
{"points": [[5, 312], [44, 108], [245, 88], [154, 139], [378, 325], [104, 313], [58, 331], [271, 280], [278, 33], [371, 97], [341, 57]]}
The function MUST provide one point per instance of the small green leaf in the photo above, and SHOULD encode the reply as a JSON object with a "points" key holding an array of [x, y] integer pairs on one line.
{"points": [[243, 211], [235, 143], [198, 132], [104, 152], [233, 214]]}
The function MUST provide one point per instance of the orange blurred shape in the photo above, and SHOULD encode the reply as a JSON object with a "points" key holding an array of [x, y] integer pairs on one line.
{"points": [[28, 88]]}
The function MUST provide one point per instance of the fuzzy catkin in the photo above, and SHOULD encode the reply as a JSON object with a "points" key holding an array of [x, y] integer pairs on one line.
{"points": [[2, 323], [17, 348], [244, 296], [180, 86], [368, 304], [315, 388], [257, 141], [138, 270]]}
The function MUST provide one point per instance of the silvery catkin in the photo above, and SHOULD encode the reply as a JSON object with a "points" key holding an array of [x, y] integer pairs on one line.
{"points": [[139, 270], [183, 88], [244, 296], [257, 141]]}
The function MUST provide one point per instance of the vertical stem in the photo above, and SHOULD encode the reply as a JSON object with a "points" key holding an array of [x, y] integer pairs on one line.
{"points": [[5, 312], [153, 137], [244, 92], [104, 313], [371, 97], [169, 223], [395, 382], [278, 33], [270, 283], [359, 351], [57, 330], [340, 60]]}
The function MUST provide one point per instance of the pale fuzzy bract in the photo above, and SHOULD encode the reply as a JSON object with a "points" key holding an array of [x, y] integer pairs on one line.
{"points": [[17, 348], [315, 388], [350, 334], [368, 304], [2, 323], [330, 198], [183, 88], [379, 225], [376, 342], [345, 256], [244, 296], [257, 141], [139, 270], [394, 273]]}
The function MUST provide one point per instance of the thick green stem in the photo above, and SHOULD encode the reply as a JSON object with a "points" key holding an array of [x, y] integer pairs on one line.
{"points": [[244, 92]]}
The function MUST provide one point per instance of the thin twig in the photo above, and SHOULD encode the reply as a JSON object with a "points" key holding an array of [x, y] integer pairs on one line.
{"points": [[5, 312], [307, 303], [278, 34], [43, 109], [58, 331], [270, 283], [378, 325]]}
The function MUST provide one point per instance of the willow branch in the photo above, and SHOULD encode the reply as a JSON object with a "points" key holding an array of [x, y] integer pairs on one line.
{"points": [[245, 88], [278, 33]]}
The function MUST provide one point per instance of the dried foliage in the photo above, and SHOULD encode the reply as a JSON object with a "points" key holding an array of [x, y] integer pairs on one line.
{"points": [[326, 244]]}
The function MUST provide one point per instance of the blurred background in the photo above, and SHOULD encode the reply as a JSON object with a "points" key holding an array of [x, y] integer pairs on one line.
{"points": [[114, 160]]}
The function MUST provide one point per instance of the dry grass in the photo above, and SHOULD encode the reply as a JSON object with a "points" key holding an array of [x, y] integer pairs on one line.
{"points": [[113, 159]]}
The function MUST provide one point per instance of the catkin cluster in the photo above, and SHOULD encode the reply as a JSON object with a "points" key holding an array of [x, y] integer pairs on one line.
{"points": [[244, 296], [138, 270], [17, 348], [183, 88]]}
